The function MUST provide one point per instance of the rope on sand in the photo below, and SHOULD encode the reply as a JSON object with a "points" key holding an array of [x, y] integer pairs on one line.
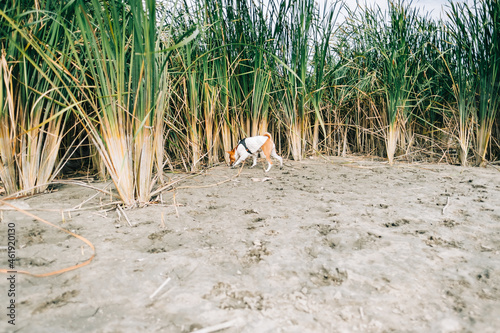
{"points": [[60, 271]]}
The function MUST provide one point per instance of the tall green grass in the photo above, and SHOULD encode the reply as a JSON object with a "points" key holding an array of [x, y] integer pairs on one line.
{"points": [[176, 84], [392, 42], [476, 35], [32, 110], [323, 63], [121, 49]]}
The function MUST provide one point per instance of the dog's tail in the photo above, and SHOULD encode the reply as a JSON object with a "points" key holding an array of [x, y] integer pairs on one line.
{"points": [[269, 142]]}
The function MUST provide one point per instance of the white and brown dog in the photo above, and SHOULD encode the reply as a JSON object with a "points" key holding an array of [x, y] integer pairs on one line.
{"points": [[252, 147]]}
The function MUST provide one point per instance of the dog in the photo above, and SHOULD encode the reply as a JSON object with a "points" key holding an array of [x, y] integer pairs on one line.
{"points": [[252, 146]]}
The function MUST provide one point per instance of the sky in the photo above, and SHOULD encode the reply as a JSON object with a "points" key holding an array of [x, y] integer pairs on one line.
{"points": [[435, 7]]}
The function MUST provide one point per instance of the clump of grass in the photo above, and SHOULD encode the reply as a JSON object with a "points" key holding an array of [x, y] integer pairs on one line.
{"points": [[393, 47], [476, 32], [126, 122], [32, 111]]}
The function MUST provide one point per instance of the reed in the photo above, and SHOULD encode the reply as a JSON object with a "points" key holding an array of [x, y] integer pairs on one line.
{"points": [[178, 83], [459, 63], [476, 35], [393, 39], [323, 62], [296, 49], [33, 113], [8, 127], [123, 89]]}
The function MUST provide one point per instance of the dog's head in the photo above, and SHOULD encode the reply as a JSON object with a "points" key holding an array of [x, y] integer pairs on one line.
{"points": [[232, 156]]}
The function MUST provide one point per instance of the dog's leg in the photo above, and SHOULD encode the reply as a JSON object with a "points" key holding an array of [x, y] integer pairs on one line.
{"points": [[242, 158], [267, 150], [254, 159], [276, 156]]}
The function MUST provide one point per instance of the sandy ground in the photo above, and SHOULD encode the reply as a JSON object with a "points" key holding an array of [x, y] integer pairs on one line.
{"points": [[337, 245]]}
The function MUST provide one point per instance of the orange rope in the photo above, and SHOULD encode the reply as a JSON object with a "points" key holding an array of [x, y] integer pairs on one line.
{"points": [[67, 269]]}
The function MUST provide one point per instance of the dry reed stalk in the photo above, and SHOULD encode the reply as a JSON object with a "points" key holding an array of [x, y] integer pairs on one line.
{"points": [[8, 174], [160, 288], [217, 327]]}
